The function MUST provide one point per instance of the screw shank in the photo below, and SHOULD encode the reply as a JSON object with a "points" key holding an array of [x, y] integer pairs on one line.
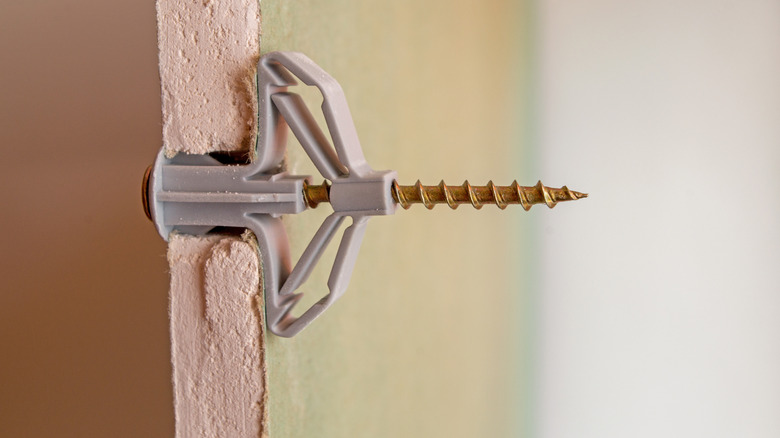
{"points": [[478, 196]]}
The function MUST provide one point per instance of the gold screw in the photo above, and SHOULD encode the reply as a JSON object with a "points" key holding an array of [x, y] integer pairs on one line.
{"points": [[316, 194], [454, 196], [145, 192], [429, 196]]}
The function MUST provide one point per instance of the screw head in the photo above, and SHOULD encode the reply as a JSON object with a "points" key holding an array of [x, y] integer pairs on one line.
{"points": [[145, 192]]}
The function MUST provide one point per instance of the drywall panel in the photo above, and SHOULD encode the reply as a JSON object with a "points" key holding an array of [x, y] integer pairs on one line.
{"points": [[208, 53], [217, 337]]}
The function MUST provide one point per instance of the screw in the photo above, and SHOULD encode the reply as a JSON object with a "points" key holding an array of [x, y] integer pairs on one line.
{"points": [[145, 192], [429, 196], [453, 196], [316, 194]]}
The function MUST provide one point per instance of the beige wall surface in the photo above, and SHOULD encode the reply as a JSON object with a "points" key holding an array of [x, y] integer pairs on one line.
{"points": [[426, 341]]}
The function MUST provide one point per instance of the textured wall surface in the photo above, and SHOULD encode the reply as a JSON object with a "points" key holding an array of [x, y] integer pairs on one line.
{"points": [[217, 337], [208, 55]]}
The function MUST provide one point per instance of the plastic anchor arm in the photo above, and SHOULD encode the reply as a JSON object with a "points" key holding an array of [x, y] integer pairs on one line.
{"points": [[279, 304], [309, 134], [334, 103], [357, 190]]}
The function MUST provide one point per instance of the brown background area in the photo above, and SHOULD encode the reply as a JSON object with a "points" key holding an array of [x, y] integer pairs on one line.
{"points": [[83, 303]]}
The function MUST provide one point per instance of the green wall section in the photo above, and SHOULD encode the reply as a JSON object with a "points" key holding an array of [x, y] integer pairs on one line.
{"points": [[430, 338], [527, 278]]}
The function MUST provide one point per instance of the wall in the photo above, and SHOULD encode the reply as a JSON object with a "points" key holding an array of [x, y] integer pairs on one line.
{"points": [[658, 306]]}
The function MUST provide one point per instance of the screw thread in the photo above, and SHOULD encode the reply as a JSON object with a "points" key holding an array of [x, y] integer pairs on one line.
{"points": [[478, 196]]}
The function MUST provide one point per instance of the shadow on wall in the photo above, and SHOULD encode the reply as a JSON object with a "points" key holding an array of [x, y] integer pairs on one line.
{"points": [[83, 308]]}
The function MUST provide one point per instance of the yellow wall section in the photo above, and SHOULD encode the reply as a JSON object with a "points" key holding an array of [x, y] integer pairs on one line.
{"points": [[423, 343]]}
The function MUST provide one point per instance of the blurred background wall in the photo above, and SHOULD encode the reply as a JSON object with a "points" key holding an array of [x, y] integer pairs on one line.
{"points": [[659, 299], [83, 301]]}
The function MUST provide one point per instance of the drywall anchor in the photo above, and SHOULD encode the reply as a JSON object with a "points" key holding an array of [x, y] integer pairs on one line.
{"points": [[195, 193]]}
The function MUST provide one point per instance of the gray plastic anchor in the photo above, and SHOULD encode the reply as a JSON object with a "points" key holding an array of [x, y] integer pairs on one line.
{"points": [[194, 193]]}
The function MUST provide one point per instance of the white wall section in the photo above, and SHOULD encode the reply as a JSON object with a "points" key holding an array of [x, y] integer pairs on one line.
{"points": [[659, 304]]}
